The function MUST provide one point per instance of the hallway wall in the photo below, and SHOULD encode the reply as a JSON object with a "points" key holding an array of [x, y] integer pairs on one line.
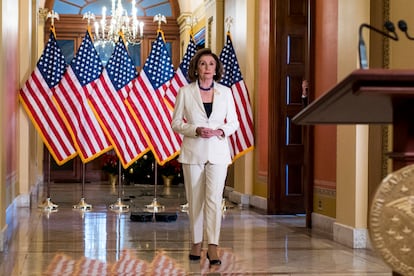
{"points": [[262, 99], [325, 71], [401, 52], [9, 85]]}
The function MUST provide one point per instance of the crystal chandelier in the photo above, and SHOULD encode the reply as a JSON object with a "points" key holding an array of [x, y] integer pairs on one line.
{"points": [[107, 29]]}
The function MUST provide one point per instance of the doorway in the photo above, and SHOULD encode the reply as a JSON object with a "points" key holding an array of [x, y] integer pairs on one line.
{"points": [[289, 181]]}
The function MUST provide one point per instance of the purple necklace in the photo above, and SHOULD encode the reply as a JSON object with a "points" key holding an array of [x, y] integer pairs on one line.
{"points": [[205, 89]]}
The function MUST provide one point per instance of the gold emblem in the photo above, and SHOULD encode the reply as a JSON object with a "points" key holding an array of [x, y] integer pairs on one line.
{"points": [[391, 220]]}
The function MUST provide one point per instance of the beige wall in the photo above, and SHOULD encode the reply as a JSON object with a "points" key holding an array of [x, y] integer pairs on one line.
{"points": [[214, 20], [402, 51], [9, 68], [27, 134], [21, 149], [242, 29], [352, 160], [189, 6]]}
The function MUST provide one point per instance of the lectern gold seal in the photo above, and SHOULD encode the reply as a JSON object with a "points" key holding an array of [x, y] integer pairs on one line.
{"points": [[391, 220]]}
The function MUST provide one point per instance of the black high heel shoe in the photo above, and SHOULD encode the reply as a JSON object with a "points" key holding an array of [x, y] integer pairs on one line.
{"points": [[195, 248], [213, 262], [194, 257]]}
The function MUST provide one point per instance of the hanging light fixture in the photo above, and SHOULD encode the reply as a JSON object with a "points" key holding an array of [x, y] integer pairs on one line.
{"points": [[107, 29]]}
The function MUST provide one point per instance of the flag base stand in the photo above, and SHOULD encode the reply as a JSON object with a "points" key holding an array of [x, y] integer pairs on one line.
{"points": [[82, 205], [223, 205], [184, 207], [153, 217], [155, 206], [48, 205], [119, 206]]}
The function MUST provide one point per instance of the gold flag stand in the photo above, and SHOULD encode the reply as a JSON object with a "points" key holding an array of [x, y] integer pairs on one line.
{"points": [[82, 205], [119, 206], [48, 205]]}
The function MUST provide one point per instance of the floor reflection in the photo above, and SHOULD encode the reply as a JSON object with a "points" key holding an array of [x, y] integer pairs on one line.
{"points": [[101, 241], [130, 264]]}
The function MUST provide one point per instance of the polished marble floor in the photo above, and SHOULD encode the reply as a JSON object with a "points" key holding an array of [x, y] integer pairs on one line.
{"points": [[104, 241]]}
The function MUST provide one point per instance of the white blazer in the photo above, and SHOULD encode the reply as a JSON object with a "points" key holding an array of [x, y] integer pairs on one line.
{"points": [[189, 113]]}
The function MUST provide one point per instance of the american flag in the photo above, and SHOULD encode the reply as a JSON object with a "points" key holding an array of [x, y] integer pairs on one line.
{"points": [[62, 265], [71, 97], [107, 100], [147, 103], [242, 140], [180, 77], [129, 264], [89, 266], [162, 265], [36, 98]]}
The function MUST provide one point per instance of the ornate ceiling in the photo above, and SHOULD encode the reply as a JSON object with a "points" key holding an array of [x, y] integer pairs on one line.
{"points": [[145, 7]]}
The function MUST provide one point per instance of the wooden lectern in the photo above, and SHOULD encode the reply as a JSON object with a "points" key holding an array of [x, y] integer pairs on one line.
{"points": [[374, 96]]}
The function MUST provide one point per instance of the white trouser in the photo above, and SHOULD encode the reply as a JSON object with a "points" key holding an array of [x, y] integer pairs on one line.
{"points": [[204, 186]]}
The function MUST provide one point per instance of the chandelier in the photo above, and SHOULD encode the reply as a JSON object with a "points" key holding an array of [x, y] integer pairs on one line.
{"points": [[108, 29]]}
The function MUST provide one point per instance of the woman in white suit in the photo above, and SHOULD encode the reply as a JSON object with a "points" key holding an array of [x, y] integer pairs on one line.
{"points": [[205, 115]]}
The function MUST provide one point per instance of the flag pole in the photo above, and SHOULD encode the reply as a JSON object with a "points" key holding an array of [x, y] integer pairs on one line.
{"points": [[82, 205], [155, 206], [118, 205], [48, 205]]}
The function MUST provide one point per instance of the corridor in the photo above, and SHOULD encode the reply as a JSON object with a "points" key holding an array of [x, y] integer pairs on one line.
{"points": [[102, 241]]}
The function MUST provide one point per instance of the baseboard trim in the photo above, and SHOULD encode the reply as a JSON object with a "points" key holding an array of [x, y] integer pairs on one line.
{"points": [[20, 201], [322, 223], [3, 238], [350, 236], [244, 199], [258, 202]]}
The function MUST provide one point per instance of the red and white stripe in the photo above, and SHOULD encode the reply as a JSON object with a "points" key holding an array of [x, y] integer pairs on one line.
{"points": [[129, 264], [176, 83], [88, 266], [116, 120], [87, 134], [36, 97], [242, 140], [154, 117], [164, 265], [62, 265]]}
